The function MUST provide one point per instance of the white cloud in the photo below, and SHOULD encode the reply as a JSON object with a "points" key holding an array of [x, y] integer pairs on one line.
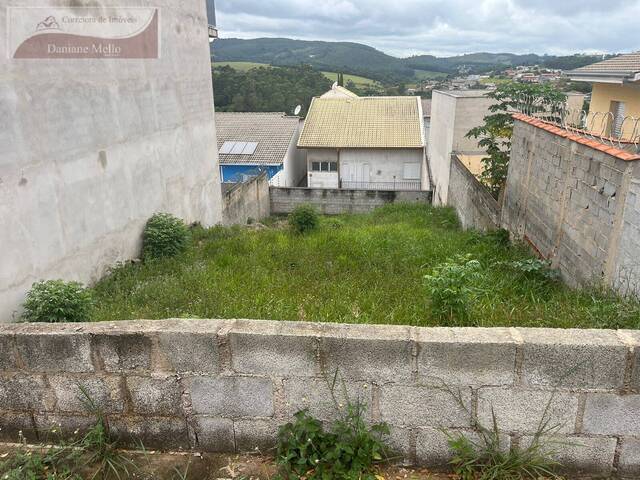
{"points": [[442, 27]]}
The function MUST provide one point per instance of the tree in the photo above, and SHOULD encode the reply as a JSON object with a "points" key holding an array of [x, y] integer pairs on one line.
{"points": [[495, 135], [341, 79]]}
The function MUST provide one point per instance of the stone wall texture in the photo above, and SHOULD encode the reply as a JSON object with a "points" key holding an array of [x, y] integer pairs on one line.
{"points": [[91, 148], [577, 206], [227, 385], [475, 206], [246, 201], [334, 201]]}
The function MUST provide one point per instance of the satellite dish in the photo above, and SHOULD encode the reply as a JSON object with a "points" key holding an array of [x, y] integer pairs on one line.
{"points": [[335, 84], [297, 110]]}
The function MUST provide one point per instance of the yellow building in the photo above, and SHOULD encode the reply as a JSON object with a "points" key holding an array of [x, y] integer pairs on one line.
{"points": [[615, 97]]}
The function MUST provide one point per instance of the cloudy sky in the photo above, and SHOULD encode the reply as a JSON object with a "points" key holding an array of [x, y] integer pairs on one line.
{"points": [[442, 27]]}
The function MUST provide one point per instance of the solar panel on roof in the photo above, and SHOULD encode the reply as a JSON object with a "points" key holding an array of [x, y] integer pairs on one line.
{"points": [[250, 148], [227, 147], [238, 148]]}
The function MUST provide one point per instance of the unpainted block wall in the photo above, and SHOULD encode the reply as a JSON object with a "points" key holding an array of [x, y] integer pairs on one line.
{"points": [[90, 149], [227, 385], [334, 201], [249, 200], [576, 205], [475, 206]]}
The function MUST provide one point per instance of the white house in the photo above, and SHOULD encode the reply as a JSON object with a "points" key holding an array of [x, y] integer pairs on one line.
{"points": [[252, 142], [373, 143]]}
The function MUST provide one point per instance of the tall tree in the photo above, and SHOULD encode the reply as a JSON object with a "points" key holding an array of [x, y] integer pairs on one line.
{"points": [[496, 132]]}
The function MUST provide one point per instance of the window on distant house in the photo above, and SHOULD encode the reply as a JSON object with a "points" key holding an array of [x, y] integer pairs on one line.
{"points": [[324, 166], [412, 171], [617, 111]]}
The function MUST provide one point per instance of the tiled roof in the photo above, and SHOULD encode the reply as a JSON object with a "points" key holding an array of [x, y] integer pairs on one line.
{"points": [[613, 151], [623, 65], [363, 122], [272, 132], [339, 92]]}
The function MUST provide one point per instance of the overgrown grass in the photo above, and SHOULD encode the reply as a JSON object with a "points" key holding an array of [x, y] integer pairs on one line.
{"points": [[355, 269]]}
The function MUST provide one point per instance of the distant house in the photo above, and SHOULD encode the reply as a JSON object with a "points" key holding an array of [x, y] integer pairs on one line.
{"points": [[616, 93], [374, 143], [253, 142], [339, 92], [426, 119]]}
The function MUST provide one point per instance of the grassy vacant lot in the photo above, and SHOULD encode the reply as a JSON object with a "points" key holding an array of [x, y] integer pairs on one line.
{"points": [[354, 268]]}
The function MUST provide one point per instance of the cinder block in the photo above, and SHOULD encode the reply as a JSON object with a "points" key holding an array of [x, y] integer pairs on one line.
{"points": [[7, 355], [53, 425], [399, 443], [189, 352], [466, 356], [231, 396], [256, 436], [270, 351], [629, 462], [123, 352], [578, 455], [151, 432], [315, 395], [25, 392], [104, 392], [593, 359], [425, 407], [156, 395], [433, 449], [610, 414], [632, 339], [215, 434], [57, 352], [521, 411], [14, 427], [368, 353]]}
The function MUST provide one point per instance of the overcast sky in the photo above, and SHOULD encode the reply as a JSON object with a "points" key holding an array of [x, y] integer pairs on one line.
{"points": [[443, 27]]}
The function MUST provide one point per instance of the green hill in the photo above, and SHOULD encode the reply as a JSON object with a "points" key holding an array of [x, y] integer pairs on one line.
{"points": [[367, 62]]}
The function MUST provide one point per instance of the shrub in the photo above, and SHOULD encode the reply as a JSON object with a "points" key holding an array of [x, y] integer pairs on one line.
{"points": [[164, 236], [450, 287], [534, 268], [304, 219], [58, 301]]}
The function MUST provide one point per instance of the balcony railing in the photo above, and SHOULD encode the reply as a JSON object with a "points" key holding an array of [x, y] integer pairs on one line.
{"points": [[397, 185]]}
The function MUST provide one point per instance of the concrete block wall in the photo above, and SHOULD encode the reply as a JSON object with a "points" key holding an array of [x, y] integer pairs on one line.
{"points": [[248, 200], [576, 205], [335, 201], [475, 206], [227, 385]]}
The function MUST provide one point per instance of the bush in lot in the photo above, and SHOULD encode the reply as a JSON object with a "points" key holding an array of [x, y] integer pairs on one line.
{"points": [[58, 301], [164, 236], [304, 219]]}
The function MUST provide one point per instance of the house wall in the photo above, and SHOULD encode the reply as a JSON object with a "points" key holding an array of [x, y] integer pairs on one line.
{"points": [[228, 385], [338, 201], [90, 149], [475, 206], [295, 162], [248, 200], [577, 205], [452, 116], [604, 93], [322, 179], [385, 165]]}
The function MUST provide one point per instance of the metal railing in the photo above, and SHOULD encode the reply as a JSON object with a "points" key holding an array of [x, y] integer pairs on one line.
{"points": [[609, 128], [396, 185]]}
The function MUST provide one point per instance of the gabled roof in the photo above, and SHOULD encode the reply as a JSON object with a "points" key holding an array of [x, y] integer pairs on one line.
{"points": [[339, 92], [624, 68], [273, 132], [363, 122]]}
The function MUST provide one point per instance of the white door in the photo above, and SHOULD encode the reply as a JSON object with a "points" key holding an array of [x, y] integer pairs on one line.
{"points": [[366, 173]]}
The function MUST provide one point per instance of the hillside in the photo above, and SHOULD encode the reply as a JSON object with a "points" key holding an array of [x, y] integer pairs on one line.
{"points": [[365, 61]]}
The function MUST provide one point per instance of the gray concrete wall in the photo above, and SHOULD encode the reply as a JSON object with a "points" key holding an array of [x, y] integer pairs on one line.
{"points": [[227, 385], [334, 201], [474, 205], [90, 149], [249, 200], [576, 205]]}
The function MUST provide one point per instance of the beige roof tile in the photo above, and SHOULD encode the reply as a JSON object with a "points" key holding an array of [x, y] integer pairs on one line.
{"points": [[363, 122], [624, 65]]}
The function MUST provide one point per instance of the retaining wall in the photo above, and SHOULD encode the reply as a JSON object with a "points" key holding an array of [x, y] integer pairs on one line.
{"points": [[576, 202], [248, 200], [337, 201], [474, 205], [227, 385]]}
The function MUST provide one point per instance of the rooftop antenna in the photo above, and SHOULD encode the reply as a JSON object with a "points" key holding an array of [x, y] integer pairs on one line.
{"points": [[297, 110]]}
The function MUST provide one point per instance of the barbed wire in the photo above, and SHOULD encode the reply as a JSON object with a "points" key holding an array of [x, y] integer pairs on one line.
{"points": [[619, 131]]}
